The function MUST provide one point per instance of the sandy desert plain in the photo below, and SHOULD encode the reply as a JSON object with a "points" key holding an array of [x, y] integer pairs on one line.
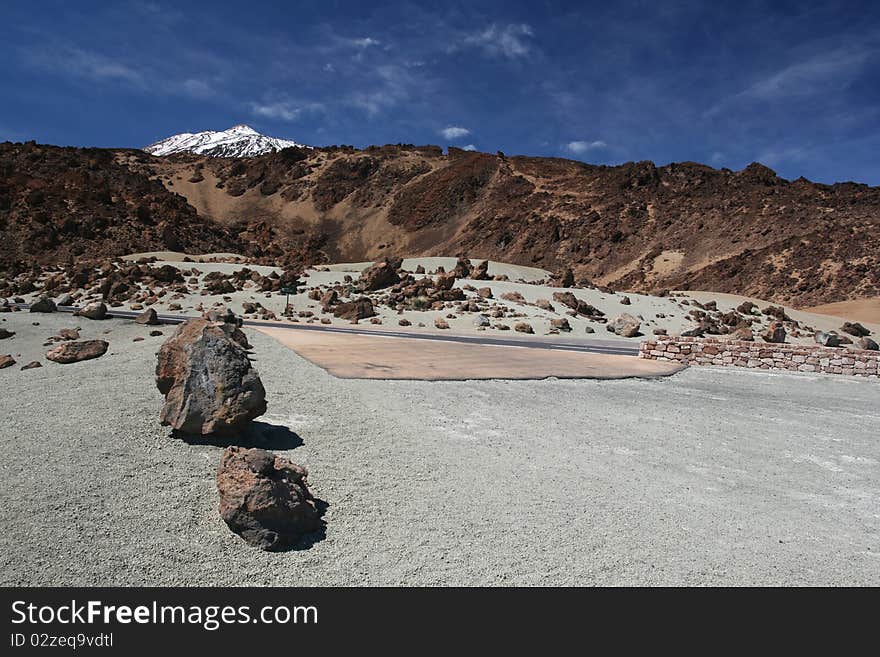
{"points": [[446, 461]]}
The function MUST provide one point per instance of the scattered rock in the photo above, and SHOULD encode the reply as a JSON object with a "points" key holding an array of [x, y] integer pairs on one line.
{"points": [[265, 498], [4, 334], [523, 327], [380, 275], [827, 339], [564, 279], [746, 307], [867, 344], [6, 361], [32, 365], [441, 323], [148, 317], [156, 333], [516, 297], [355, 310], [589, 329], [625, 325], [480, 272], [560, 324], [67, 334], [97, 310], [743, 333], [43, 305], [74, 352], [659, 331], [855, 329], [543, 304], [775, 332], [481, 320], [625, 301], [63, 300], [485, 292], [208, 381], [404, 322]]}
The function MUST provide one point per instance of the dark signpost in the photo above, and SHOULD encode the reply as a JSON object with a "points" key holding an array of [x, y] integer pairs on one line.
{"points": [[288, 291]]}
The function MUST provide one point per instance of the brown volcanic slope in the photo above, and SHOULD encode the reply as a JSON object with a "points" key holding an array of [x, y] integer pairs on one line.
{"points": [[635, 226]]}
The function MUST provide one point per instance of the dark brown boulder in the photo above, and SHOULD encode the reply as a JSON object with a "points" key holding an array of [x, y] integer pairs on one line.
{"points": [[4, 334], [523, 327], [355, 310], [43, 305], [462, 268], [565, 278], [380, 275], [775, 333], [480, 272], [329, 298], [32, 365], [73, 352], [867, 344], [855, 329], [560, 324], [265, 498], [209, 384], [148, 318], [827, 339], [6, 361]]}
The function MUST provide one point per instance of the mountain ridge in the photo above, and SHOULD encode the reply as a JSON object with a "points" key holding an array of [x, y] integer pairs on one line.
{"points": [[635, 226]]}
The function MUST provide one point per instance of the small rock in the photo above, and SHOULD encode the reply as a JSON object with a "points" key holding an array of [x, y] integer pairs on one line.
{"points": [[97, 310], [523, 327], [32, 365], [404, 322], [867, 344], [481, 320], [43, 305], [827, 339], [148, 317], [74, 352], [625, 301], [775, 333], [156, 333], [4, 334], [441, 323], [6, 361], [855, 329]]}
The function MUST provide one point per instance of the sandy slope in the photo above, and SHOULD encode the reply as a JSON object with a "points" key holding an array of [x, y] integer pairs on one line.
{"points": [[708, 477], [862, 310]]}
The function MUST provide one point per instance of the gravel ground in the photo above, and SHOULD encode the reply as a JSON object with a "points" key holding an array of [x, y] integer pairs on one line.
{"points": [[708, 477]]}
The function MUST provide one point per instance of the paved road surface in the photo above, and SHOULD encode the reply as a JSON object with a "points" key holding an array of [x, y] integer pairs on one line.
{"points": [[571, 344]]}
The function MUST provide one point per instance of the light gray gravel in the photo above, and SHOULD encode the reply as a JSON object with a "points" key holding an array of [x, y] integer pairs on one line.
{"points": [[710, 477]]}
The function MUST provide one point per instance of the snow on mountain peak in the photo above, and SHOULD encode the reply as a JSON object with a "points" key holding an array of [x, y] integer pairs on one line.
{"points": [[238, 141]]}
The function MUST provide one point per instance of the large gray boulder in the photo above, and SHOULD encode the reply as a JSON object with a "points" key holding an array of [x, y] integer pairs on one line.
{"points": [[264, 498], [209, 384], [43, 305]]}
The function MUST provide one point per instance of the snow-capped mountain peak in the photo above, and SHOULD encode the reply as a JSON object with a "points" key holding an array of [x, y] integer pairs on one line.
{"points": [[238, 141]]}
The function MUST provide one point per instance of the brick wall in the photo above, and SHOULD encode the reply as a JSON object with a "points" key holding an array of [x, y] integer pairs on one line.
{"points": [[762, 355]]}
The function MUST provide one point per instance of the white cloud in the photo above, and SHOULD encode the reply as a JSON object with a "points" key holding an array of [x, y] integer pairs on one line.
{"points": [[469, 147], [581, 147], [283, 110], [508, 40], [454, 132], [364, 42]]}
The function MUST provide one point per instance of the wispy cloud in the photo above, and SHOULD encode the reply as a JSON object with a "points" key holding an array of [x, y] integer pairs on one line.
{"points": [[364, 42], [824, 73], [455, 132], [283, 110], [510, 40], [469, 147], [75, 62], [581, 147]]}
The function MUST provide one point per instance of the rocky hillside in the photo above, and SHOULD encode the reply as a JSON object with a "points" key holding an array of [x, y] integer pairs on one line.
{"points": [[632, 227]]}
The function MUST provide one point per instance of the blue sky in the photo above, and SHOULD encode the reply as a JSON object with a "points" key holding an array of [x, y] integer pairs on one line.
{"points": [[795, 85]]}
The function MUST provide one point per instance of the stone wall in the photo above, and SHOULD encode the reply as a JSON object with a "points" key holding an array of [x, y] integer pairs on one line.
{"points": [[762, 355]]}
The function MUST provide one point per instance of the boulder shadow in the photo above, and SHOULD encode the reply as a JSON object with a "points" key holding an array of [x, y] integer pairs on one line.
{"points": [[306, 541], [255, 434]]}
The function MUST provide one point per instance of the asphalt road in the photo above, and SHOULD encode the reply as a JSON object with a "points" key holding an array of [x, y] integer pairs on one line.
{"points": [[571, 344]]}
